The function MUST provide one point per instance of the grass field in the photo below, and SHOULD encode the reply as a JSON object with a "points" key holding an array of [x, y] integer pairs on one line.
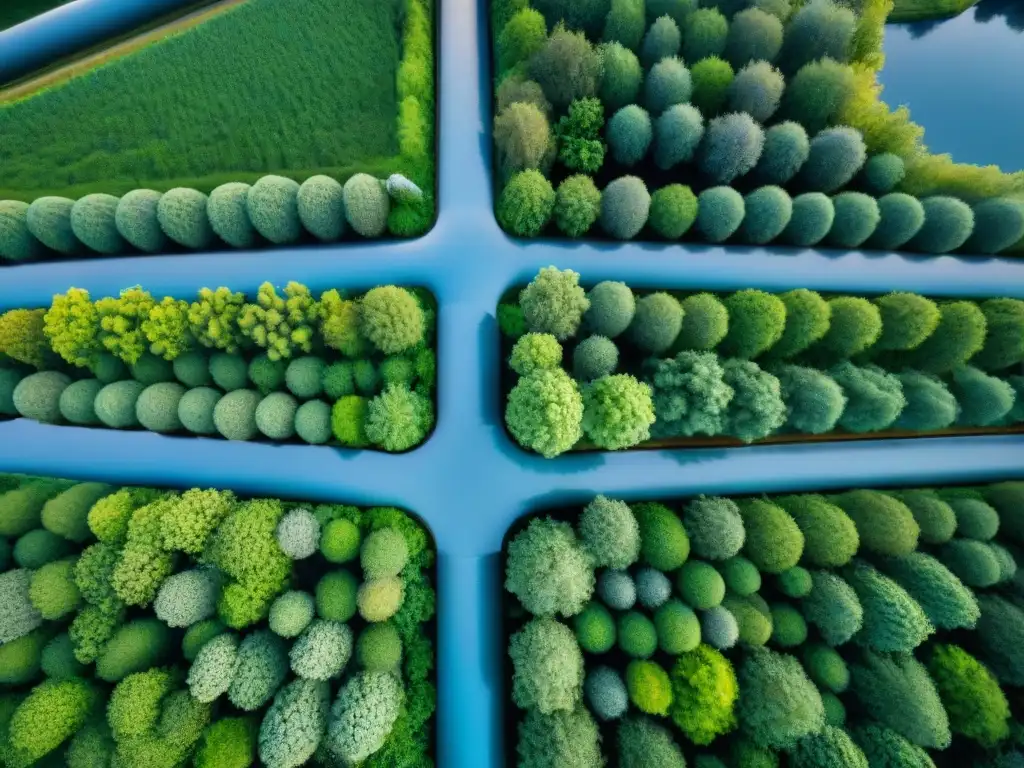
{"points": [[923, 10], [289, 86], [16, 11]]}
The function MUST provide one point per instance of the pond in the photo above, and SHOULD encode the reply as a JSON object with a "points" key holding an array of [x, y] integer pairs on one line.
{"points": [[961, 80]]}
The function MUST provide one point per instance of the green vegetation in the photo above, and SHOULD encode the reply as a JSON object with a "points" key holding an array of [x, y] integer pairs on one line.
{"points": [[380, 123], [768, 115], [852, 666], [178, 681], [280, 365], [611, 368]]}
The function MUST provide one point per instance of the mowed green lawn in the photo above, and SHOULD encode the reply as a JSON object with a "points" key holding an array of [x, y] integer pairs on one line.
{"points": [[16, 11], [295, 87]]}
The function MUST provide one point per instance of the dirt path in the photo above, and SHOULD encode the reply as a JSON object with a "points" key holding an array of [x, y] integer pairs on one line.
{"points": [[121, 48]]}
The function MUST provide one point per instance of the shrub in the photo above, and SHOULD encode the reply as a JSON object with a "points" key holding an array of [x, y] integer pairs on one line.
{"points": [[833, 607], [817, 93], [830, 536], [700, 585], [49, 221], [831, 748], [37, 396], [731, 147], [856, 217], [321, 207], [757, 89], [907, 320], [384, 553], [521, 137], [188, 597], [526, 204], [523, 35], [677, 627], [656, 322], [49, 715], [998, 224], [92, 221], [379, 648], [668, 84], [569, 737], [754, 35], [664, 544], [778, 704], [545, 412], [756, 322], [888, 749], [813, 216], [715, 527], [577, 205], [893, 621], [712, 77], [629, 133], [340, 541], [37, 548], [322, 650], [705, 34], [786, 149], [984, 400], [826, 668], [53, 591], [705, 690], [690, 394], [743, 752], [998, 638], [768, 211], [959, 335], [134, 706], [133, 647], [741, 576], [754, 625], [620, 84], [756, 409], [611, 309], [535, 352], [625, 205], [974, 518], [291, 613], [970, 694], [641, 742], [214, 668], [391, 319], [227, 743], [235, 414], [16, 242], [948, 222], [548, 570], [677, 134], [974, 563], [294, 725], [196, 409], [548, 667], [336, 596], [617, 411], [398, 418], [136, 220], [774, 543], [380, 599], [795, 582], [366, 205], [1004, 338], [662, 41], [721, 211], [229, 219], [882, 173], [874, 397], [616, 589], [181, 213], [886, 525], [649, 687], [567, 67], [820, 29], [719, 628], [900, 695], [637, 636], [624, 24], [1006, 498], [18, 615], [814, 401], [595, 629], [836, 155]]}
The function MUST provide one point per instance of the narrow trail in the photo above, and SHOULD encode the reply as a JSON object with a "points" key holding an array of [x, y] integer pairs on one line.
{"points": [[121, 48]]}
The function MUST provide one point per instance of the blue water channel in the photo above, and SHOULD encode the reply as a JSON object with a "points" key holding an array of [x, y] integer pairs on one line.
{"points": [[963, 80]]}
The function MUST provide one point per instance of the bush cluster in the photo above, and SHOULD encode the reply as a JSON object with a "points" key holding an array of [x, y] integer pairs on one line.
{"points": [[226, 656], [782, 104], [273, 211], [358, 369], [682, 644], [608, 368]]}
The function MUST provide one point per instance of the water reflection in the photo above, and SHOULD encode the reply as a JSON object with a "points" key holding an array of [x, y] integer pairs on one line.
{"points": [[960, 78]]}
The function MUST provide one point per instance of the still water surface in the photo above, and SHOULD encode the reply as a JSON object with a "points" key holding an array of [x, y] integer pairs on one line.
{"points": [[963, 80]]}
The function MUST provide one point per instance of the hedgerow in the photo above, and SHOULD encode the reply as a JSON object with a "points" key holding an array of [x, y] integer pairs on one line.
{"points": [[744, 94], [153, 701], [142, 363]]}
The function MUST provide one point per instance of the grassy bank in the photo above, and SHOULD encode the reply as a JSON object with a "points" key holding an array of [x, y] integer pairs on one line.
{"points": [[279, 86], [925, 10]]}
